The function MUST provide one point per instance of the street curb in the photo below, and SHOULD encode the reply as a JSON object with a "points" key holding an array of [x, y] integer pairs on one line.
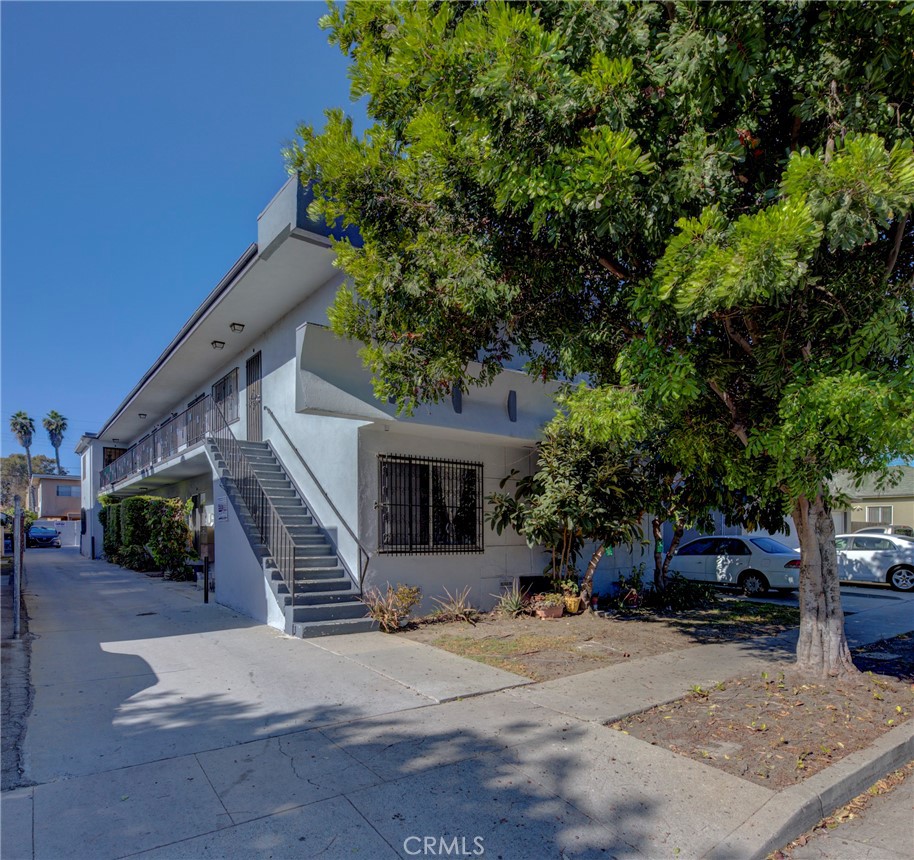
{"points": [[795, 810]]}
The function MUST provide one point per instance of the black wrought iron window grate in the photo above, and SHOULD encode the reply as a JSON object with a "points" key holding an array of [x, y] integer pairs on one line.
{"points": [[429, 505]]}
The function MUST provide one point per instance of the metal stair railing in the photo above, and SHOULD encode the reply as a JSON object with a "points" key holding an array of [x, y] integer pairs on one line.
{"points": [[267, 521], [363, 569]]}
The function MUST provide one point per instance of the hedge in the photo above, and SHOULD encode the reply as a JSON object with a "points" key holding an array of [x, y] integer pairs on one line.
{"points": [[135, 521], [148, 533]]}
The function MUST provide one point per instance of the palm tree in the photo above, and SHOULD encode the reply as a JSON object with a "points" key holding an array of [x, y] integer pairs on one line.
{"points": [[23, 429], [56, 425]]}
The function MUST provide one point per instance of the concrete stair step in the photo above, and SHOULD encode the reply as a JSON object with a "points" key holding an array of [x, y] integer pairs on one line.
{"points": [[312, 598], [328, 611], [309, 562], [333, 628], [309, 586]]}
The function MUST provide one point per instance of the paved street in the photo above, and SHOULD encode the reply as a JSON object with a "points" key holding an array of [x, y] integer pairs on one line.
{"points": [[163, 727]]}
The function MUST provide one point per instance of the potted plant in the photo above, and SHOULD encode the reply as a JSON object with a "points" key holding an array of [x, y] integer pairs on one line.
{"points": [[570, 594], [550, 605]]}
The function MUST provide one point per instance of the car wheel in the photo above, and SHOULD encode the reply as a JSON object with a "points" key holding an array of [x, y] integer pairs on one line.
{"points": [[753, 583], [901, 578]]}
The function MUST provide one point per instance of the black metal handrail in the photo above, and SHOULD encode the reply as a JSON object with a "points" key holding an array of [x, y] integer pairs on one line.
{"points": [[363, 569], [273, 532], [178, 433]]}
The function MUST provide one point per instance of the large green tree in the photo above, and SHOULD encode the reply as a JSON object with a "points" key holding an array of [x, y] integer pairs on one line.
{"points": [[702, 206]]}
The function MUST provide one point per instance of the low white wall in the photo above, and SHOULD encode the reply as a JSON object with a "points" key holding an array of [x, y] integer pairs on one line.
{"points": [[240, 581]]}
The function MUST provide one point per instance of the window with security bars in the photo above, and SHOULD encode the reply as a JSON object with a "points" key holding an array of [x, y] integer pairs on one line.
{"points": [[429, 506]]}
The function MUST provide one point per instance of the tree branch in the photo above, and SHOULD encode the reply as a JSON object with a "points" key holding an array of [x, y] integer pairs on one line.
{"points": [[738, 428], [735, 336], [610, 267], [896, 247]]}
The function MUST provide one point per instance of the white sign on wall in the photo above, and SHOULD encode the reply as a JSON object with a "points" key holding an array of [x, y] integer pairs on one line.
{"points": [[222, 509]]}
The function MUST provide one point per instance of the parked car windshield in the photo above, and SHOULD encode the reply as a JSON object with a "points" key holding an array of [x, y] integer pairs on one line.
{"points": [[41, 530], [772, 546]]}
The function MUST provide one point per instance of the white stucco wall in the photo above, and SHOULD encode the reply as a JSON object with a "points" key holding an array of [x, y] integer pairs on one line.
{"points": [[505, 557], [90, 465]]}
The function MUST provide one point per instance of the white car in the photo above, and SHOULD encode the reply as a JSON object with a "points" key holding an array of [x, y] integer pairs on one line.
{"points": [[904, 531], [755, 563], [876, 558]]}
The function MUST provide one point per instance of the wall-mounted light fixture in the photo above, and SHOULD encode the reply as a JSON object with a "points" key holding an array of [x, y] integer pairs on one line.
{"points": [[237, 326], [512, 405], [218, 344], [141, 414]]}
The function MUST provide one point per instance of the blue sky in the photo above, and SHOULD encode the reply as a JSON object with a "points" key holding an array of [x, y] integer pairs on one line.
{"points": [[139, 143]]}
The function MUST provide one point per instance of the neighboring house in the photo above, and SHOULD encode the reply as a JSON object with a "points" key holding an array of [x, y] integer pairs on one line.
{"points": [[305, 489], [876, 505], [57, 496]]}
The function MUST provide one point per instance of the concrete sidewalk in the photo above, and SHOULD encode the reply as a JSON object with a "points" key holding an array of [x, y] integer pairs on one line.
{"points": [[163, 727]]}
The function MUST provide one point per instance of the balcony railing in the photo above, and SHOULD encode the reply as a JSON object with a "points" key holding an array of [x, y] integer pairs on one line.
{"points": [[177, 434]]}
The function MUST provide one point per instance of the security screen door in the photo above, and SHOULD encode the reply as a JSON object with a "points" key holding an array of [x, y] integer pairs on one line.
{"points": [[255, 412]]}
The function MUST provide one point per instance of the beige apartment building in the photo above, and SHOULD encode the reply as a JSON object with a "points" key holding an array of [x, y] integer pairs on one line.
{"points": [[885, 506], [57, 496]]}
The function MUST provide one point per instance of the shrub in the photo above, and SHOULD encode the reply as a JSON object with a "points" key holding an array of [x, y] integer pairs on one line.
{"points": [[681, 594], [392, 609], [111, 540], [136, 557], [455, 607], [169, 536], [135, 521], [512, 603]]}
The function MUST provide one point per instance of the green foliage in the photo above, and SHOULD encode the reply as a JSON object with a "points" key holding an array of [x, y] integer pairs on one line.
{"points": [[169, 536], [147, 533], [28, 517], [392, 608], [579, 492], [135, 557], [455, 607], [512, 603], [135, 525], [23, 428], [56, 426], [110, 518], [700, 206]]}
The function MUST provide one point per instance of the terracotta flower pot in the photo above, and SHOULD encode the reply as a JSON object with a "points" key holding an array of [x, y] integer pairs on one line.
{"points": [[550, 612]]}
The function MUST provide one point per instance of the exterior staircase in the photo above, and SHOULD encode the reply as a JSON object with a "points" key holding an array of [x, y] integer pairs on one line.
{"points": [[326, 600]]}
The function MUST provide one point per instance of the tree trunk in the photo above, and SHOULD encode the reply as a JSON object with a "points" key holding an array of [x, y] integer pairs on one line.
{"points": [[31, 497], [671, 550], [587, 582], [57, 458], [659, 578], [822, 647]]}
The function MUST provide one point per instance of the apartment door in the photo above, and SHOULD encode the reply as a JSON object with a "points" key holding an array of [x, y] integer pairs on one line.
{"points": [[255, 409]]}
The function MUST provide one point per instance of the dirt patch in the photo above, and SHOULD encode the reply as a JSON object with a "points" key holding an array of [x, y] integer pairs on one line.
{"points": [[543, 649], [777, 728]]}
